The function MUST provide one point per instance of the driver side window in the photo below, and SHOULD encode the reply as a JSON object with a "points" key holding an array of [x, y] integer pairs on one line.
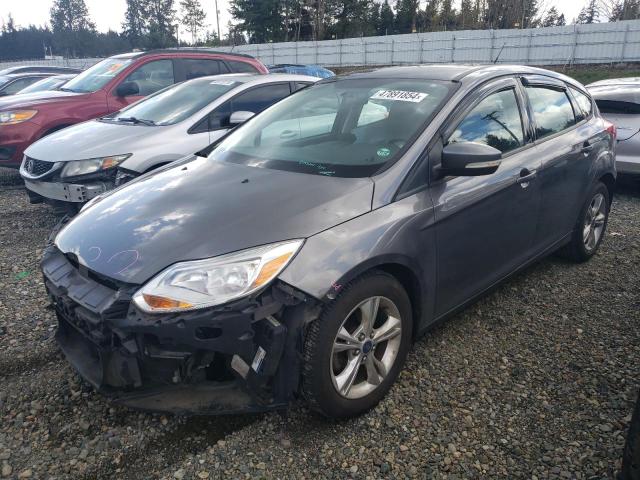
{"points": [[152, 76], [495, 121]]}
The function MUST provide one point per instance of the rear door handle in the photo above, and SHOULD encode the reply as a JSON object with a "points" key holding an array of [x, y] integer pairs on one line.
{"points": [[586, 147]]}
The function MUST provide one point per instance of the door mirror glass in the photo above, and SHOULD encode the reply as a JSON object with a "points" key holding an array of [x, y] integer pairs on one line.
{"points": [[470, 159], [127, 89], [239, 117]]}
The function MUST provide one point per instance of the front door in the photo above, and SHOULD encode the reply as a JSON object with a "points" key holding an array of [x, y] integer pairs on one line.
{"points": [[145, 80], [485, 225]]}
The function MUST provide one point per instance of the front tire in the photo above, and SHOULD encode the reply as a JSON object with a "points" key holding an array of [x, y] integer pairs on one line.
{"points": [[590, 227], [354, 351]]}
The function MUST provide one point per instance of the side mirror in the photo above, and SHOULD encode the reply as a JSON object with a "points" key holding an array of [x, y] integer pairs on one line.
{"points": [[127, 89], [470, 159], [239, 117]]}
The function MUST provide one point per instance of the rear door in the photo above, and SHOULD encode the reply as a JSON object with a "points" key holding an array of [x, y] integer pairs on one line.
{"points": [[566, 142], [188, 68], [486, 224]]}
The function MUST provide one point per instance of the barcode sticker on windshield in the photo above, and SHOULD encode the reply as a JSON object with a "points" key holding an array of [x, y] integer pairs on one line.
{"points": [[222, 82], [399, 96]]}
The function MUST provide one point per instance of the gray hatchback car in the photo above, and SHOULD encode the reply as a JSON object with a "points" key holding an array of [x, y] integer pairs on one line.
{"points": [[317, 241]]}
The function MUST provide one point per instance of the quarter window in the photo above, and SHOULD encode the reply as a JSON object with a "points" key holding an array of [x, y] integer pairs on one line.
{"points": [[495, 121], [152, 76], [584, 104], [552, 110]]}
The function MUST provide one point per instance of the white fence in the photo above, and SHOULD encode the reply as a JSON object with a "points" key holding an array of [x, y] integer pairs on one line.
{"points": [[65, 62], [595, 43], [617, 42]]}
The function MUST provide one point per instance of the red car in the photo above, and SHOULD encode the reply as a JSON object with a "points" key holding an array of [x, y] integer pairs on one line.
{"points": [[105, 88]]}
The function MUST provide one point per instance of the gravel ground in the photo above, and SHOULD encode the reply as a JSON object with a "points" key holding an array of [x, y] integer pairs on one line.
{"points": [[537, 380]]}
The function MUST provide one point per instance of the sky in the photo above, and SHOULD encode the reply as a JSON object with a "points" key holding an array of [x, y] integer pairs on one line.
{"points": [[109, 14]]}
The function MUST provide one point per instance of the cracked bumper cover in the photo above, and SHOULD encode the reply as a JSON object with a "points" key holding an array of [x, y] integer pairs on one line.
{"points": [[240, 357]]}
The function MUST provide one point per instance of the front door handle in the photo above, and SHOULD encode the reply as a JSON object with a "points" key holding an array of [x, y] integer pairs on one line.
{"points": [[526, 176]]}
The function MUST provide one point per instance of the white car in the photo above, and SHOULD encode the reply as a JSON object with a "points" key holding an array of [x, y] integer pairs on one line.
{"points": [[80, 162]]}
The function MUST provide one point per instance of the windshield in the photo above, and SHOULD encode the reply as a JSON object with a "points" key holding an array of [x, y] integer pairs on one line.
{"points": [[4, 79], [97, 76], [43, 85], [348, 128], [176, 103]]}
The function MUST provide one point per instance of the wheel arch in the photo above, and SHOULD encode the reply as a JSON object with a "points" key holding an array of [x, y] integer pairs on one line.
{"points": [[610, 182], [400, 268]]}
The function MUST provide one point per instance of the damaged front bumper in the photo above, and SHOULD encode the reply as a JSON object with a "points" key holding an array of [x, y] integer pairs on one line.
{"points": [[67, 192], [240, 357]]}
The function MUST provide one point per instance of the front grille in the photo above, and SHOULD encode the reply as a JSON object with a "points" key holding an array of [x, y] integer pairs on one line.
{"points": [[37, 167]]}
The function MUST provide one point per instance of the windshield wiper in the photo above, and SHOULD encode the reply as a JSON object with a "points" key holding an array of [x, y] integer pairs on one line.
{"points": [[136, 121]]}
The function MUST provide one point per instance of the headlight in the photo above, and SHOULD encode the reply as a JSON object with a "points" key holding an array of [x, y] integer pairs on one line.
{"points": [[16, 116], [83, 167], [214, 281]]}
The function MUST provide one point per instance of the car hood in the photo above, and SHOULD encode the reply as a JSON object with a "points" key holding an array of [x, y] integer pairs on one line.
{"points": [[93, 139], [36, 98], [203, 209]]}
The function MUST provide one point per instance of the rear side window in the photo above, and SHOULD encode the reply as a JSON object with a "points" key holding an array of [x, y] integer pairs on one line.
{"points": [[254, 100], [585, 105], [241, 67], [552, 110], [152, 76], [495, 121], [196, 67], [259, 98]]}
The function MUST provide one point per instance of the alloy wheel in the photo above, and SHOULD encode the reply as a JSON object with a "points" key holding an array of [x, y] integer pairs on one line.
{"points": [[365, 347], [594, 221]]}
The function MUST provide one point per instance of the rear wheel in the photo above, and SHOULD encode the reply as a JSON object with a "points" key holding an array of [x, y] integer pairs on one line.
{"points": [[590, 227], [354, 352]]}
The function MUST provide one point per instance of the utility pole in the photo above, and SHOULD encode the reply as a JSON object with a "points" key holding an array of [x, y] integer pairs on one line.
{"points": [[218, 21]]}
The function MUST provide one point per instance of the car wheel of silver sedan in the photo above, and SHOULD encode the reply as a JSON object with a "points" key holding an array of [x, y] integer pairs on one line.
{"points": [[355, 350]]}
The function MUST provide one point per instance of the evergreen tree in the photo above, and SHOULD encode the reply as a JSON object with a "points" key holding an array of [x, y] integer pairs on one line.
{"points": [[73, 30], [590, 13], [193, 17], [387, 19], [428, 18], [552, 18], [406, 13], [262, 20], [160, 21], [447, 17], [467, 17], [134, 27]]}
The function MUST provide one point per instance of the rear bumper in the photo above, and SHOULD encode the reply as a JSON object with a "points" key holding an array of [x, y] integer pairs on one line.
{"points": [[628, 165], [240, 358]]}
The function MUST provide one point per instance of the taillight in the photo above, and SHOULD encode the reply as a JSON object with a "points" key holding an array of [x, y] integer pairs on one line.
{"points": [[611, 129]]}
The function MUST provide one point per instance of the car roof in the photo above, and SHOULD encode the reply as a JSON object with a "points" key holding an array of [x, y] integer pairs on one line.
{"points": [[178, 52], [29, 74], [252, 78], [457, 72], [631, 81]]}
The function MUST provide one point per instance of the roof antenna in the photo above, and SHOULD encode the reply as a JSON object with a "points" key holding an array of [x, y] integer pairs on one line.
{"points": [[499, 53]]}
